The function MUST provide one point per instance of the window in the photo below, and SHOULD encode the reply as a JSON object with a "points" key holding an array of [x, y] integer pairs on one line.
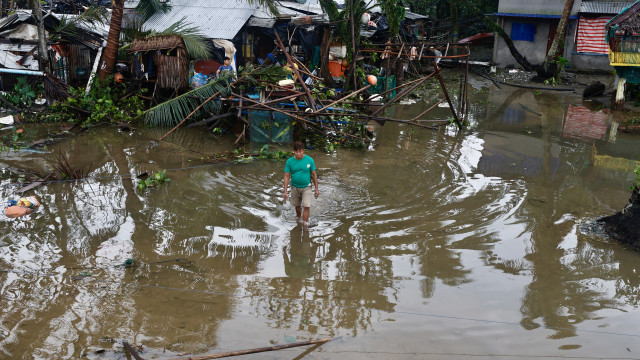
{"points": [[523, 31]]}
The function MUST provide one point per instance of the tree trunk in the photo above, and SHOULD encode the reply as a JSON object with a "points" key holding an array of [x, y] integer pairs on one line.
{"points": [[325, 74], [43, 53], [455, 27], [497, 29], [550, 67], [113, 40]]}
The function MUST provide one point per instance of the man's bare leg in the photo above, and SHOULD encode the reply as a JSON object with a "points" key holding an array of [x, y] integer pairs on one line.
{"points": [[305, 217], [298, 211]]}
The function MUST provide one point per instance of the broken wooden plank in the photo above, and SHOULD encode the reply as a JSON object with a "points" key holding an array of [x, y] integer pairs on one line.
{"points": [[131, 351], [31, 186]]}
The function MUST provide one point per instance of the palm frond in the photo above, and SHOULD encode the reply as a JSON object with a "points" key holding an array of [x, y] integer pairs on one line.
{"points": [[271, 74], [148, 8], [171, 112], [67, 26], [198, 46]]}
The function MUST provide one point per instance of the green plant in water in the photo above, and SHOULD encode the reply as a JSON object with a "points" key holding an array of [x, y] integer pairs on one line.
{"points": [[103, 103], [555, 80], [360, 75], [13, 141], [636, 182], [23, 94], [277, 154], [154, 180]]}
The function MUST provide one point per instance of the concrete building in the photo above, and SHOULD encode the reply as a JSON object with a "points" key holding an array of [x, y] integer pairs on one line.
{"points": [[532, 25]]}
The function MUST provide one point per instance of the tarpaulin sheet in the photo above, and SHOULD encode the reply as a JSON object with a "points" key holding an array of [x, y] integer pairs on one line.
{"points": [[591, 35]]}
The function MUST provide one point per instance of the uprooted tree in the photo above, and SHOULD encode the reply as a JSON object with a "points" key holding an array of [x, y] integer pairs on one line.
{"points": [[551, 66]]}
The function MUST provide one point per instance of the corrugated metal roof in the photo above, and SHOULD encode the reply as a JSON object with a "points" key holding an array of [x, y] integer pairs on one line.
{"points": [[603, 7], [414, 16], [308, 7], [287, 10], [220, 19]]}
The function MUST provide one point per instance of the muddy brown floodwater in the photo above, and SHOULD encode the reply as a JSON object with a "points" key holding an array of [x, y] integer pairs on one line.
{"points": [[428, 245]]}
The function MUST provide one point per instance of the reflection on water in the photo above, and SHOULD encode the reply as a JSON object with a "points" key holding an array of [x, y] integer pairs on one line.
{"points": [[428, 245]]}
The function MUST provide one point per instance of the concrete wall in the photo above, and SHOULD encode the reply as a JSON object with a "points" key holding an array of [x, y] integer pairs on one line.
{"points": [[584, 62], [536, 7], [534, 52]]}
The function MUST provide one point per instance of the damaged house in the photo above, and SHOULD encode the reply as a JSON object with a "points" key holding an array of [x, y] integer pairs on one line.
{"points": [[239, 30], [532, 27], [71, 54]]}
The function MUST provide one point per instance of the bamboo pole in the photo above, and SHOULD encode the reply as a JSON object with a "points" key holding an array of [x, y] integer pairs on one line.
{"points": [[253, 351], [211, 119], [403, 94], [403, 85], [274, 101], [379, 118], [446, 95], [429, 109], [312, 104], [300, 118], [342, 99]]}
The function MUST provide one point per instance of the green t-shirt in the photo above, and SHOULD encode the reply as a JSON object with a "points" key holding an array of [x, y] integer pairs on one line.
{"points": [[300, 170]]}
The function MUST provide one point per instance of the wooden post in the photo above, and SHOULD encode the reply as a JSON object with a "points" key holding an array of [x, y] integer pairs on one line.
{"points": [[620, 93], [354, 50], [325, 74]]}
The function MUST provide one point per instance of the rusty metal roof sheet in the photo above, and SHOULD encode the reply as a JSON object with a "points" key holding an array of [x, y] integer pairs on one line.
{"points": [[220, 19], [603, 7]]}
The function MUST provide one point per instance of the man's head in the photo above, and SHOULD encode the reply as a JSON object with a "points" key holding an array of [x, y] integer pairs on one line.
{"points": [[298, 150], [227, 61]]}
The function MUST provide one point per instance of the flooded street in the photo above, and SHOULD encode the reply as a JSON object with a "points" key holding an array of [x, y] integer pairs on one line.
{"points": [[428, 245]]}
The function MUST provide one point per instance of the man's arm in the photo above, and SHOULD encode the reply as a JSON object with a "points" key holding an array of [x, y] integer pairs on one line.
{"points": [[287, 178], [314, 177]]}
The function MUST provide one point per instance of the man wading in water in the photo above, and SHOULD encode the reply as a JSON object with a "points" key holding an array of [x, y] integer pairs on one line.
{"points": [[299, 170]]}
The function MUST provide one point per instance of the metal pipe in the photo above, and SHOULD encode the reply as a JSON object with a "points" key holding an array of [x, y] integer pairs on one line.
{"points": [[22, 72]]}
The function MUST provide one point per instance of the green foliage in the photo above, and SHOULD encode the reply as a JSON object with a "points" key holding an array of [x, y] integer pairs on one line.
{"points": [[562, 62], [274, 154], [103, 103], [67, 26], [321, 92], [395, 14], [13, 140], [148, 8], [259, 76], [264, 153], [553, 81], [154, 180], [23, 94], [343, 27], [360, 75], [636, 182], [171, 112]]}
